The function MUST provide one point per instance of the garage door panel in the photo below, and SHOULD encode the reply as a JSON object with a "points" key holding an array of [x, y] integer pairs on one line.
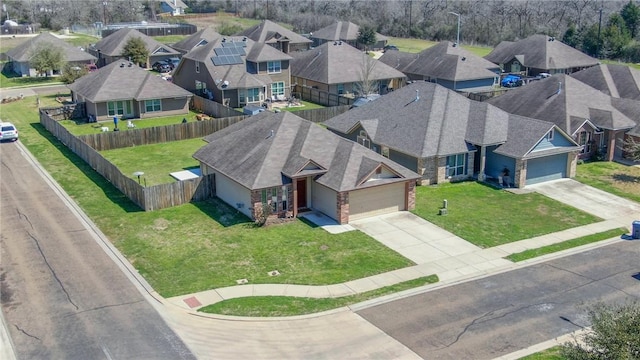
{"points": [[546, 169], [376, 201]]}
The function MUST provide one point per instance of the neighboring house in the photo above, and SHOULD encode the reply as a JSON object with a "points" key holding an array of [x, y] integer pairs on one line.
{"points": [[592, 118], [175, 7], [448, 65], [347, 32], [539, 54], [110, 48], [20, 55], [201, 37], [277, 36], [339, 68], [125, 90], [235, 71], [444, 136], [619, 81], [290, 164]]}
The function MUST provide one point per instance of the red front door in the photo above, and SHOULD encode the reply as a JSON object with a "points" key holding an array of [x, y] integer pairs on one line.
{"points": [[302, 193]]}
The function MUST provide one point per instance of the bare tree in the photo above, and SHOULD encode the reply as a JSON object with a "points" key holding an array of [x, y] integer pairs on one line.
{"points": [[367, 85]]}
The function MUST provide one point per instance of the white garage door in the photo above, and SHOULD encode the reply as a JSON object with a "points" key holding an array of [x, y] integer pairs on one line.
{"points": [[376, 201], [324, 200]]}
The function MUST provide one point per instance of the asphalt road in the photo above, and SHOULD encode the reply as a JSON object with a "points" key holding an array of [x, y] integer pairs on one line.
{"points": [[500, 314], [62, 296]]}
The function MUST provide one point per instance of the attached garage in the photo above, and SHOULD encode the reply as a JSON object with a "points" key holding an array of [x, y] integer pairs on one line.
{"points": [[324, 200], [376, 201], [546, 168]]}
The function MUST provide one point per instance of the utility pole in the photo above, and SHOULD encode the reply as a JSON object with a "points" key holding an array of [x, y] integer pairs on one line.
{"points": [[599, 27], [458, 36]]}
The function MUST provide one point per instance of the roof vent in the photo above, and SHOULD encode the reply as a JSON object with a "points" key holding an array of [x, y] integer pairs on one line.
{"points": [[463, 58], [224, 39], [244, 38], [270, 135], [122, 65], [551, 38], [454, 44], [339, 42], [130, 64], [335, 43], [225, 83]]}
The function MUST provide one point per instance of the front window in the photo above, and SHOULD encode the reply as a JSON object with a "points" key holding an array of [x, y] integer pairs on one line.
{"points": [[584, 139], [456, 165], [340, 88], [277, 88], [197, 66], [115, 108], [385, 151], [153, 105], [249, 96], [363, 139], [274, 67], [550, 135]]}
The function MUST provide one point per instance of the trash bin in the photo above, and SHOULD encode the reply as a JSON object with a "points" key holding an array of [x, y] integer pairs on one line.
{"points": [[635, 229]]}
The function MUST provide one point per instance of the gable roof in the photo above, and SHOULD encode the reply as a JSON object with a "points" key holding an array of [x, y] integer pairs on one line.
{"points": [[341, 30], [525, 133], [175, 4], [269, 32], [424, 119], [24, 51], [444, 60], [335, 63], [113, 44], [259, 150], [565, 101], [615, 80], [541, 52], [122, 80], [234, 76], [201, 37]]}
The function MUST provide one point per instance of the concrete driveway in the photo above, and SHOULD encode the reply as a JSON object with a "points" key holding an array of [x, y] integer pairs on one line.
{"points": [[413, 237], [589, 199]]}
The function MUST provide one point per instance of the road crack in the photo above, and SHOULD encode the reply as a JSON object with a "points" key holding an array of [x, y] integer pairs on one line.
{"points": [[105, 307], [24, 216], [55, 276], [26, 333]]}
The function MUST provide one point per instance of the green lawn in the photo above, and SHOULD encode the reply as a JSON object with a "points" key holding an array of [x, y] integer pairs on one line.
{"points": [[205, 245], [533, 253], [157, 160], [271, 306], [83, 128], [549, 354], [170, 39], [307, 106], [417, 45], [488, 217], [612, 177], [8, 80]]}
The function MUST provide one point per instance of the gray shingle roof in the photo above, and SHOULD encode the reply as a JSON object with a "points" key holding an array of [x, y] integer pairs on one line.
{"points": [[336, 64], [341, 30], [440, 122], [116, 82], [566, 102], [443, 61], [113, 44], [537, 51], [615, 80], [24, 51], [525, 133], [268, 32], [257, 151], [201, 37]]}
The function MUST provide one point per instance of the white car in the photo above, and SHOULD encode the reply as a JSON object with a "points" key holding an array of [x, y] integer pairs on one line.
{"points": [[8, 131]]}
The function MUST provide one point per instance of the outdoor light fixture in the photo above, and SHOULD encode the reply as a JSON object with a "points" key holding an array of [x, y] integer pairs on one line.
{"points": [[138, 174]]}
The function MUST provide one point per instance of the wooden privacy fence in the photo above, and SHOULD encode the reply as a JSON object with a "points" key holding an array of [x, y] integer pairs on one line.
{"points": [[322, 115], [157, 134], [210, 107], [320, 96], [148, 198]]}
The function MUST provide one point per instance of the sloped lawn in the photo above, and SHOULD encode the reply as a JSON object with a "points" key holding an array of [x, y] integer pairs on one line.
{"points": [[489, 217], [618, 179]]}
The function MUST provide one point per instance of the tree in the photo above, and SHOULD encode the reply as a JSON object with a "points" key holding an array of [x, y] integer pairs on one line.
{"points": [[71, 72], [614, 334], [572, 37], [366, 36], [135, 50], [367, 84], [631, 148], [631, 15], [46, 58]]}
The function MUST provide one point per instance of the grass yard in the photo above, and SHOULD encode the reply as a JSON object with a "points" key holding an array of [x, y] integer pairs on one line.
{"points": [[417, 45], [549, 249], [489, 217], [271, 306], [8, 80], [83, 128], [205, 245], [306, 106], [157, 160], [612, 177], [553, 353]]}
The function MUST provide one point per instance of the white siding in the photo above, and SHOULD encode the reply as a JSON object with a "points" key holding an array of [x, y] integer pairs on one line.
{"points": [[324, 200], [376, 201], [233, 193]]}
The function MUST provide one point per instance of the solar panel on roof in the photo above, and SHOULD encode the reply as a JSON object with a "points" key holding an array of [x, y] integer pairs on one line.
{"points": [[226, 60]]}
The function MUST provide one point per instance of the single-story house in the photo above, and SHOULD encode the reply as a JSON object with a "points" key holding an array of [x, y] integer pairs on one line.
{"points": [[110, 48], [235, 71], [199, 38], [445, 136], [339, 68], [125, 90], [618, 81], [345, 31], [20, 55], [277, 36], [539, 54], [446, 64], [292, 165], [174, 7], [592, 118]]}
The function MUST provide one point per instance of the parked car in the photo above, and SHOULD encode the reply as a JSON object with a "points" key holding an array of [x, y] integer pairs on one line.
{"points": [[91, 67], [172, 62], [8, 131], [390, 47], [511, 80], [161, 67]]}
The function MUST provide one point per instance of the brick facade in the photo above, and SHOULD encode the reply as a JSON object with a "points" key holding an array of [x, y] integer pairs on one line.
{"points": [[342, 205], [256, 202], [410, 191], [520, 176]]}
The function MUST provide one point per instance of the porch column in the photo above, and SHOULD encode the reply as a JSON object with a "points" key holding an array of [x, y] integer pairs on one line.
{"points": [[611, 145], [483, 158], [295, 197]]}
